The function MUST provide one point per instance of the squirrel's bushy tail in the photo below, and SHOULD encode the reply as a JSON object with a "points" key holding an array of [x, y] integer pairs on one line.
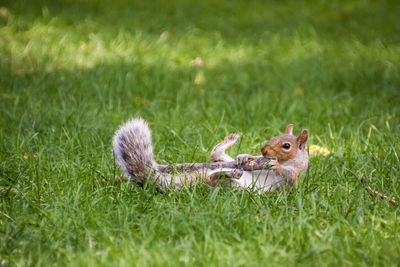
{"points": [[133, 150]]}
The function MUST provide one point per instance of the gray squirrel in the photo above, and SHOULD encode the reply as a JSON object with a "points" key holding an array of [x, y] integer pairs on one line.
{"points": [[287, 153]]}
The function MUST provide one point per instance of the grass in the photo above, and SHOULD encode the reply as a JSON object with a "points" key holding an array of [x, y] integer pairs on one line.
{"points": [[72, 71]]}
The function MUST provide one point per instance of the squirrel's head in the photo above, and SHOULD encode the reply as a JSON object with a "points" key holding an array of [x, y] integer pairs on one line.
{"points": [[286, 146]]}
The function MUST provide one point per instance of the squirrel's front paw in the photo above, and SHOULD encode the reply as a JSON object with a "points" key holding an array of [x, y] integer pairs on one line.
{"points": [[244, 159], [272, 163]]}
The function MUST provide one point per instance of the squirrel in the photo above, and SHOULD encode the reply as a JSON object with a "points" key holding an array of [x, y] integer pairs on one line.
{"points": [[288, 162]]}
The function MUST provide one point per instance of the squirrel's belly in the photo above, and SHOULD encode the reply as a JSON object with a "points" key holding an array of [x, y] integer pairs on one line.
{"points": [[261, 181]]}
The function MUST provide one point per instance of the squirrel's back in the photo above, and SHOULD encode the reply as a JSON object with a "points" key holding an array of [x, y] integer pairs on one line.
{"points": [[133, 149]]}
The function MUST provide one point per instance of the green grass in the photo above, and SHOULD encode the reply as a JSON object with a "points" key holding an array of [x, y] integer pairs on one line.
{"points": [[72, 71]]}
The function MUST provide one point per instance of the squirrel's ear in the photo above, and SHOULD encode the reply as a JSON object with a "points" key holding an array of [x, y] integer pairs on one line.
{"points": [[289, 129], [302, 139]]}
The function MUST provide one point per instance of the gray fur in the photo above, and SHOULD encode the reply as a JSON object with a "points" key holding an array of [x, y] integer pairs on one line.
{"points": [[133, 150]]}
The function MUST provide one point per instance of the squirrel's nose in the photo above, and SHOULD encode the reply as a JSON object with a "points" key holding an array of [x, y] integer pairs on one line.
{"points": [[264, 149]]}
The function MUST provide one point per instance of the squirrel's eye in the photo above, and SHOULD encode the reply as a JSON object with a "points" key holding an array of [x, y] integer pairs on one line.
{"points": [[286, 146]]}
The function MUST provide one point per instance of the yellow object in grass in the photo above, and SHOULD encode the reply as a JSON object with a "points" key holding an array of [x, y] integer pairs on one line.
{"points": [[315, 150]]}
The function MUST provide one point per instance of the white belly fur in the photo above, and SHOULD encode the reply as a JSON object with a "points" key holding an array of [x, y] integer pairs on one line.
{"points": [[257, 181], [260, 181]]}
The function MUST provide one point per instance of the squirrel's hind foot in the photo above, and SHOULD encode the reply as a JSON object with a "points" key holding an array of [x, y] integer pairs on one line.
{"points": [[218, 153]]}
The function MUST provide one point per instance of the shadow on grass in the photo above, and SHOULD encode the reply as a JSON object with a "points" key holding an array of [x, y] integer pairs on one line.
{"points": [[366, 21]]}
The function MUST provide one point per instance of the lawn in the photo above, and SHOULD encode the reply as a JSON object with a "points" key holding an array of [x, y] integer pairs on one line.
{"points": [[71, 71]]}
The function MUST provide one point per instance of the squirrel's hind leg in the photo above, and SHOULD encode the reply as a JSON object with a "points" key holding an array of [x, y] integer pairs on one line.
{"points": [[218, 152], [212, 179]]}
